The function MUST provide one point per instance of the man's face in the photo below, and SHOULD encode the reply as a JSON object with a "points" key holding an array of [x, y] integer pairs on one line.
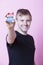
{"points": [[23, 22]]}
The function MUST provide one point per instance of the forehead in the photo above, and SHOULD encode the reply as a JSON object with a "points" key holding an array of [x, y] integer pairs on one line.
{"points": [[23, 16]]}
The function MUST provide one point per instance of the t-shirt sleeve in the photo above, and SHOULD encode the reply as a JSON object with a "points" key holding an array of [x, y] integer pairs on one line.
{"points": [[33, 43]]}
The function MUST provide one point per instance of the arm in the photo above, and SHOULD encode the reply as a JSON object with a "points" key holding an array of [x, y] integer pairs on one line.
{"points": [[11, 33], [11, 36]]}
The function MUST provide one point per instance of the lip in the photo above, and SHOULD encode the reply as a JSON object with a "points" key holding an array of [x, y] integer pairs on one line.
{"points": [[25, 26]]}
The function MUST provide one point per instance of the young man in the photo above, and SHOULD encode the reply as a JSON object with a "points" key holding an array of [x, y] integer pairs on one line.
{"points": [[20, 45]]}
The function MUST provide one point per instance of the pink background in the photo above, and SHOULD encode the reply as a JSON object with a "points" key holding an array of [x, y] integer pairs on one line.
{"points": [[36, 29]]}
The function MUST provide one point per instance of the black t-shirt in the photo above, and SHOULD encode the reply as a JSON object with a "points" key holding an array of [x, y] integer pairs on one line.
{"points": [[21, 52]]}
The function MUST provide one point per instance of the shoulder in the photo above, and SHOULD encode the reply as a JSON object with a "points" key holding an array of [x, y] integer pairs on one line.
{"points": [[30, 36]]}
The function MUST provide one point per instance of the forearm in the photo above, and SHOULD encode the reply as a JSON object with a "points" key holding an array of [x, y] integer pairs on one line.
{"points": [[11, 36]]}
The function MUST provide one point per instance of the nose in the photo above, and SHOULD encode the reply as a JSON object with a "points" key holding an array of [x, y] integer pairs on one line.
{"points": [[25, 23]]}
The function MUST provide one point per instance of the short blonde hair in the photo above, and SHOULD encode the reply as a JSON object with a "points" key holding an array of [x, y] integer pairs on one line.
{"points": [[24, 12]]}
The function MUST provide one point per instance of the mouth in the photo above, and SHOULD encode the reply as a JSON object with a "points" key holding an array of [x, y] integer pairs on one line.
{"points": [[25, 27]]}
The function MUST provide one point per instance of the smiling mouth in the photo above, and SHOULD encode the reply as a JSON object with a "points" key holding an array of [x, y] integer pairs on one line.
{"points": [[25, 27]]}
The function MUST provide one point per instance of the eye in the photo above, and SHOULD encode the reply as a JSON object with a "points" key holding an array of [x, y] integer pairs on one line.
{"points": [[28, 20]]}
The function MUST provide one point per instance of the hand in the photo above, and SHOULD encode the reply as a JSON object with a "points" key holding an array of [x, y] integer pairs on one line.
{"points": [[10, 25]]}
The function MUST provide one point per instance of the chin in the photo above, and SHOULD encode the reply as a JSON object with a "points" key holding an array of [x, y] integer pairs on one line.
{"points": [[24, 31]]}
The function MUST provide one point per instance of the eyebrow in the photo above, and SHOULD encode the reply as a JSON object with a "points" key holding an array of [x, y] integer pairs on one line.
{"points": [[28, 20]]}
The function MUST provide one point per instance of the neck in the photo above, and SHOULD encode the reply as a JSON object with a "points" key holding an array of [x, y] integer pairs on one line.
{"points": [[21, 32]]}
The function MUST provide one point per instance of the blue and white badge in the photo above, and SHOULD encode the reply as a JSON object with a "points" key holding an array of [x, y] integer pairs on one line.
{"points": [[10, 19]]}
